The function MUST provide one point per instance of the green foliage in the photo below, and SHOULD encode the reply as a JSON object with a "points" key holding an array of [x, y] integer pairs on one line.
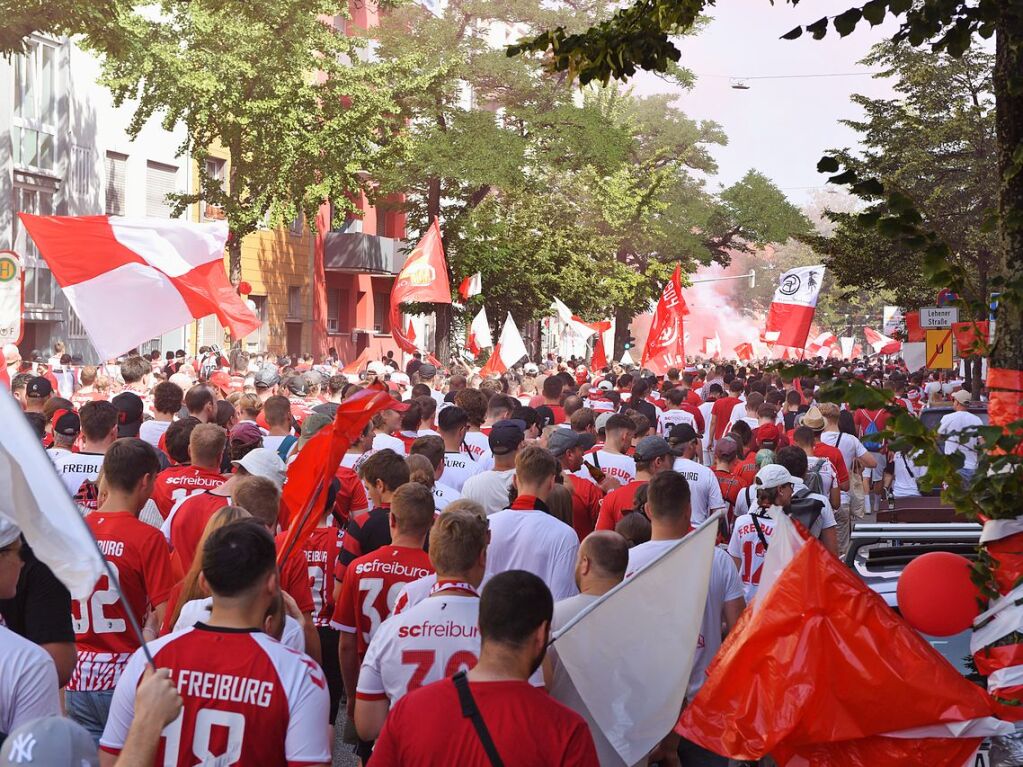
{"points": [[97, 19], [762, 212]]}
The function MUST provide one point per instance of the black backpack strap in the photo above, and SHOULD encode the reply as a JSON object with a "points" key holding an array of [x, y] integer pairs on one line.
{"points": [[471, 711], [760, 530]]}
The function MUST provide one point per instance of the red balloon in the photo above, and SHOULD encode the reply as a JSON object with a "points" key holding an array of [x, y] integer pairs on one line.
{"points": [[936, 595], [244, 288]]}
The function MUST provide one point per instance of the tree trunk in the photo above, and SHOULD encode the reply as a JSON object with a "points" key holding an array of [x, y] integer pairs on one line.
{"points": [[1008, 346], [623, 319], [442, 312], [234, 258]]}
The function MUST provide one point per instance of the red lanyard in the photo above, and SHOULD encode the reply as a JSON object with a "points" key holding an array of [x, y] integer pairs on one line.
{"points": [[453, 586]]}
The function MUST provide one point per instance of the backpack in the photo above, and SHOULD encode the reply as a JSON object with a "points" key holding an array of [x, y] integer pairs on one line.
{"points": [[806, 510], [873, 446], [285, 447], [814, 480]]}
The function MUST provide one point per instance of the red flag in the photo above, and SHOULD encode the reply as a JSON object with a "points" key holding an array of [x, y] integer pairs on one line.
{"points": [[163, 272], [410, 334], [971, 337], [423, 279], [821, 668], [744, 351], [599, 359], [309, 475], [914, 333], [494, 365], [797, 384], [665, 346], [358, 363]]}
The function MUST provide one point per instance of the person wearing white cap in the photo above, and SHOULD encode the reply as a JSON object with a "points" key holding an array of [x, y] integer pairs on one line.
{"points": [[955, 422], [28, 677]]}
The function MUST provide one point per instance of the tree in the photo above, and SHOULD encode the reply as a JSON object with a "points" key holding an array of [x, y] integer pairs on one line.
{"points": [[271, 87], [97, 20]]}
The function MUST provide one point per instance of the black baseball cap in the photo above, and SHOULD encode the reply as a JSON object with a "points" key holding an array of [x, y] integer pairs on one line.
{"points": [[562, 440], [38, 388], [426, 370], [129, 413], [506, 436], [67, 423], [681, 433]]}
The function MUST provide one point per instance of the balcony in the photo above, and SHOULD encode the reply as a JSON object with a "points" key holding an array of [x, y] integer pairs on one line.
{"points": [[359, 253]]}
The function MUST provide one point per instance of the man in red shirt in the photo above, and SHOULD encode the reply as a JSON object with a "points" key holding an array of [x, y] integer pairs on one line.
{"points": [[552, 389], [372, 582], [653, 455], [568, 447], [246, 698], [721, 413], [427, 728], [726, 464], [814, 421], [138, 555], [205, 451]]}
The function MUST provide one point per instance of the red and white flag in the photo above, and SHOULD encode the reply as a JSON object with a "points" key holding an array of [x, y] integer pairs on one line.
{"points": [[479, 333], [132, 279], [572, 323], [510, 349], [712, 346], [795, 301], [822, 345], [665, 346], [881, 344], [471, 286], [744, 351], [423, 279]]}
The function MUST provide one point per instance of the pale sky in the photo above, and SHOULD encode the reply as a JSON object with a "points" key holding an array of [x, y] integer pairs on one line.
{"points": [[780, 127]]}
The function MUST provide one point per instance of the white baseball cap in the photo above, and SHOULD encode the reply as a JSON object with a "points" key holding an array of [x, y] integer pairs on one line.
{"points": [[264, 462], [605, 385], [774, 475], [962, 396], [531, 368]]}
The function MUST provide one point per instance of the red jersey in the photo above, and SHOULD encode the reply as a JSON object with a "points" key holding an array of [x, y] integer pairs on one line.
{"points": [[177, 483], [529, 728], [247, 700], [188, 522], [139, 556], [746, 472], [863, 418], [692, 399], [371, 586], [694, 411], [833, 454], [586, 499], [617, 504], [320, 548], [351, 495], [722, 413]]}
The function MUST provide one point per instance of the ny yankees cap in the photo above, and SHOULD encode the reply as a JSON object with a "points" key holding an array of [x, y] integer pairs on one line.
{"points": [[49, 741]]}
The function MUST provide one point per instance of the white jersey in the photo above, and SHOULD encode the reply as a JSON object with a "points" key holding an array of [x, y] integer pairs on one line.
{"points": [[443, 495], [29, 689], [198, 611], [670, 418], [704, 489], [534, 541], [621, 467], [725, 586], [354, 460], [414, 592], [458, 467], [387, 442], [705, 409], [478, 443], [905, 474], [151, 431], [431, 641], [849, 446], [490, 489], [79, 473], [950, 427], [745, 545]]}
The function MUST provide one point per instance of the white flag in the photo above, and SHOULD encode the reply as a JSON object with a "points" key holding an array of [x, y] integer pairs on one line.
{"points": [[512, 347], [34, 498], [914, 355], [479, 330], [627, 358], [631, 652], [847, 343], [565, 315]]}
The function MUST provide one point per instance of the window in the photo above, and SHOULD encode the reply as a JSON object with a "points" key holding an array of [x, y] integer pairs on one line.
{"points": [[80, 174], [75, 328], [38, 280], [297, 227], [381, 312], [115, 167], [215, 169], [211, 332], [294, 302], [337, 310], [34, 120], [258, 340], [160, 180]]}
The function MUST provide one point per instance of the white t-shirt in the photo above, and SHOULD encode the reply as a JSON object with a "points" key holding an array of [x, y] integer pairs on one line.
{"points": [[28, 682], [413, 592], [670, 418], [534, 541], [273, 443], [386, 441], [443, 628], [489, 489], [739, 413], [151, 431], [827, 471], [746, 546], [705, 409], [443, 495], [458, 467], [905, 473], [198, 611], [704, 490], [354, 460], [621, 467], [78, 472], [479, 445], [954, 422], [725, 586], [849, 446]]}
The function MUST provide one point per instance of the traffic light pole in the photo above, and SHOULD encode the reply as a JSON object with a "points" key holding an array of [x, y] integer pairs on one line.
{"points": [[752, 276]]}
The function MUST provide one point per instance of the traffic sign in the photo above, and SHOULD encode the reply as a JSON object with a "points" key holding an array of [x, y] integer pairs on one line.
{"points": [[939, 349], [12, 297], [943, 317]]}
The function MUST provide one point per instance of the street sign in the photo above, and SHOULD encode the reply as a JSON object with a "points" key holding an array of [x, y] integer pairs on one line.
{"points": [[934, 317], [939, 349], [12, 297]]}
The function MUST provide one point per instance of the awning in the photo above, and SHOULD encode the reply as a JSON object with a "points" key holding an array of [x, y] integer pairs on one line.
{"points": [[362, 253]]}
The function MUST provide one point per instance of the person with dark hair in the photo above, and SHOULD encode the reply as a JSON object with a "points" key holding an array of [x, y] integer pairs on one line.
{"points": [[141, 559], [79, 471], [167, 401], [459, 462], [492, 488], [432, 448], [270, 703], [612, 459], [201, 403], [427, 728], [37, 421], [653, 455], [474, 403], [174, 485], [668, 506], [529, 417]]}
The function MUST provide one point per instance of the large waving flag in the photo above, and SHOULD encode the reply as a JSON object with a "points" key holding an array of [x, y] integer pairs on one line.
{"points": [[34, 498], [571, 322], [822, 672], [795, 301], [479, 333], [665, 346], [822, 345], [744, 351], [634, 697], [423, 279], [130, 280], [510, 349], [881, 344]]}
